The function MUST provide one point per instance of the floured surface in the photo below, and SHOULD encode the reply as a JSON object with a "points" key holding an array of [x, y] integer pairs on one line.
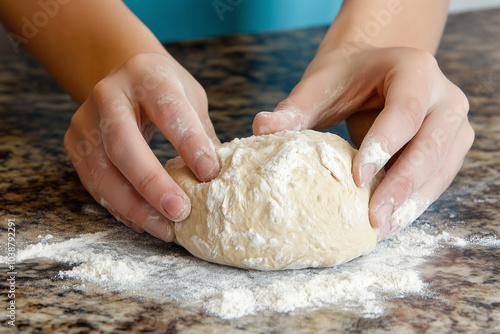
{"points": [[142, 267], [281, 201]]}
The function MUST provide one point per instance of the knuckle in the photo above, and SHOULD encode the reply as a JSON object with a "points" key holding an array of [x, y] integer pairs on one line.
{"points": [[66, 140], [136, 228], [96, 182], [469, 134], [175, 117], [147, 181], [444, 179], [115, 142], [150, 61], [135, 214], [187, 140], [413, 114], [200, 104], [173, 109], [286, 104], [137, 61], [435, 150], [421, 59], [180, 123], [100, 90], [461, 100], [198, 90], [456, 97], [130, 214], [403, 188]]}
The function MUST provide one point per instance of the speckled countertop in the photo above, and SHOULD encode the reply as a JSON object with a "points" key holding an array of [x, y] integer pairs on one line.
{"points": [[41, 193]]}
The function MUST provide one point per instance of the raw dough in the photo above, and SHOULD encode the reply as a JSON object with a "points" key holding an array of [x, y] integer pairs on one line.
{"points": [[282, 201]]}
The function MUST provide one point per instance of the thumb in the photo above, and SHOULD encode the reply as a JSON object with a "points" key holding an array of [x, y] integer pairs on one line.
{"points": [[286, 116], [314, 103]]}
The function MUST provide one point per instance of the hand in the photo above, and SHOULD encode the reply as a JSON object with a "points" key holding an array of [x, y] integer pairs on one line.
{"points": [[107, 141], [398, 104]]}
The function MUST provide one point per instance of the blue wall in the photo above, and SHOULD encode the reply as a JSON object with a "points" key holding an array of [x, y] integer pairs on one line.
{"points": [[173, 20]]}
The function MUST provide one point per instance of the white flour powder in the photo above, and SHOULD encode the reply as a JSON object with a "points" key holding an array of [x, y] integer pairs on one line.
{"points": [[374, 152], [281, 201], [142, 266]]}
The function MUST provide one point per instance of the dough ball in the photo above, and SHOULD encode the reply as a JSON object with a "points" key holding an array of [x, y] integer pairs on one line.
{"points": [[282, 201]]}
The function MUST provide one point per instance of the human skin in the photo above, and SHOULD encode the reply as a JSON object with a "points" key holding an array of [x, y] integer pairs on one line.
{"points": [[127, 84], [389, 88]]}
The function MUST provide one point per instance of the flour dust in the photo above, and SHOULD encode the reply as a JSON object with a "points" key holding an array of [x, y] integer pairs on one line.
{"points": [[120, 260]]}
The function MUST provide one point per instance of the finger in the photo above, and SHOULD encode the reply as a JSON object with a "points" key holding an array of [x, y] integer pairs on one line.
{"points": [[285, 117], [430, 190], [110, 188], [209, 128], [198, 96], [118, 216], [131, 208], [135, 227], [408, 100], [328, 92], [419, 161], [192, 136], [266, 122], [306, 107], [129, 152]]}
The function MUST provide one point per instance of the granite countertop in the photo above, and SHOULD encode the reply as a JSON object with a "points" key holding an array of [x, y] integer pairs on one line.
{"points": [[41, 193]]}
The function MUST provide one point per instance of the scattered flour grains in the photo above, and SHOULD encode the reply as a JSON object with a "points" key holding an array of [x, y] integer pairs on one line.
{"points": [[139, 265]]}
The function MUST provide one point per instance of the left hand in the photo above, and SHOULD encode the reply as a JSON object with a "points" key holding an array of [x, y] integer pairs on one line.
{"points": [[398, 104]]}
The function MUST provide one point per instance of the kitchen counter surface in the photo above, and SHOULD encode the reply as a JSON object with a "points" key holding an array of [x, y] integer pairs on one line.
{"points": [[41, 194]]}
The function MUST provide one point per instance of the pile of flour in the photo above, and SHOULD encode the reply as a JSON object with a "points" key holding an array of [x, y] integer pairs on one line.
{"points": [[121, 260]]}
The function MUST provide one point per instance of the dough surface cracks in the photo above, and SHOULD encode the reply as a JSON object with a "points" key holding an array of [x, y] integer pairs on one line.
{"points": [[281, 201]]}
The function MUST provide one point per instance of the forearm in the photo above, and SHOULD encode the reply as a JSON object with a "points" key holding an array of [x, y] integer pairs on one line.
{"points": [[387, 23], [82, 42]]}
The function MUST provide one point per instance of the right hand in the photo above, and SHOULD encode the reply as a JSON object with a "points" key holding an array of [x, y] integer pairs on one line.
{"points": [[107, 141], [395, 100]]}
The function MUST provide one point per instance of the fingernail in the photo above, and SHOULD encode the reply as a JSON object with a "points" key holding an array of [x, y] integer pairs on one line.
{"points": [[383, 214], [175, 207], [206, 167], [261, 129], [367, 172]]}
